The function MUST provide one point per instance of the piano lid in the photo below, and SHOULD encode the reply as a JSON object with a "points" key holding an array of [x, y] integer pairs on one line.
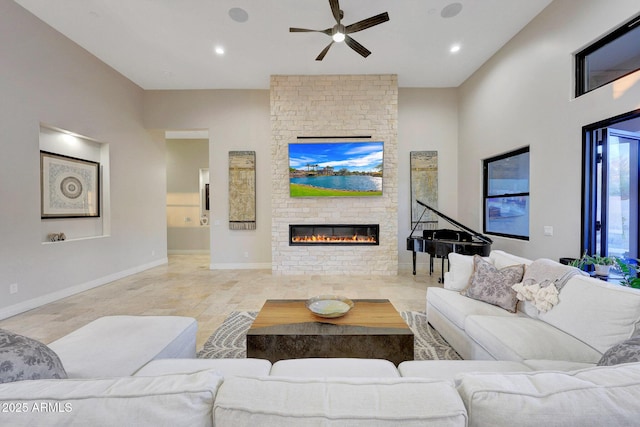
{"points": [[456, 223]]}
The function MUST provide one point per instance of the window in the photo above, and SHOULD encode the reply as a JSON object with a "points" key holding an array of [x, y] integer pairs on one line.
{"points": [[610, 58], [611, 171], [506, 194]]}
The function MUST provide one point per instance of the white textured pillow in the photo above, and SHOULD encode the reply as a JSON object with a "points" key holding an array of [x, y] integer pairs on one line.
{"points": [[460, 271], [602, 396], [598, 313], [543, 296], [167, 400], [293, 402], [502, 259]]}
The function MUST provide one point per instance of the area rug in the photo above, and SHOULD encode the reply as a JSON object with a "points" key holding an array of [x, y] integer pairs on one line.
{"points": [[229, 340]]}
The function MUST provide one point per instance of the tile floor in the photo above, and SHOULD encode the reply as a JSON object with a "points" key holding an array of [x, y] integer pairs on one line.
{"points": [[187, 287]]}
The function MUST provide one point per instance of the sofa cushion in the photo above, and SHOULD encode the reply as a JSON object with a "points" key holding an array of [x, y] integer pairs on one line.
{"points": [[625, 352], [546, 270], [169, 400], [456, 307], [225, 367], [334, 367], [449, 369], [602, 396], [521, 338], [23, 358], [283, 402], [598, 313], [502, 259], [556, 365], [545, 273], [115, 346], [493, 285], [460, 271]]}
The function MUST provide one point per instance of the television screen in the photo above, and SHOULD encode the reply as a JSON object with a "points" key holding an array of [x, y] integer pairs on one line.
{"points": [[335, 169]]}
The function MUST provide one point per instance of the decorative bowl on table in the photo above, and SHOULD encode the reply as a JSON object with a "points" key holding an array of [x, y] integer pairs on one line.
{"points": [[329, 306]]}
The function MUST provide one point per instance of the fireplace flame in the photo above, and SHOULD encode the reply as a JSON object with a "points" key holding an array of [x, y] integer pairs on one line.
{"points": [[319, 238]]}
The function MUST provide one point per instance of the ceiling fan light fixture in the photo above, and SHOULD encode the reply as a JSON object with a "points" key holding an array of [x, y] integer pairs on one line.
{"points": [[338, 33]]}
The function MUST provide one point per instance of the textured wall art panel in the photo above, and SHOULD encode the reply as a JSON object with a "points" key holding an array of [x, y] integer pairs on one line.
{"points": [[424, 187], [242, 190]]}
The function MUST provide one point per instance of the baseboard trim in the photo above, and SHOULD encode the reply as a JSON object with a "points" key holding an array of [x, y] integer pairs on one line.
{"points": [[67, 292], [188, 252], [242, 266]]}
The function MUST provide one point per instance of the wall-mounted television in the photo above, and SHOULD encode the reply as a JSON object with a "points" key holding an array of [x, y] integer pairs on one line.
{"points": [[336, 169]]}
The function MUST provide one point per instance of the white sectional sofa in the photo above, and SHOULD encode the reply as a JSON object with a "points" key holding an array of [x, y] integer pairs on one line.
{"points": [[591, 316], [140, 371]]}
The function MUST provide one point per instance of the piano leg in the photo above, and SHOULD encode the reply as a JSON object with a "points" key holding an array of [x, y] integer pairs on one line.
{"points": [[414, 263]]}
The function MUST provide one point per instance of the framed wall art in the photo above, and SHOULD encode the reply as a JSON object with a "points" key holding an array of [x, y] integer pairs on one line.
{"points": [[242, 190], [70, 187], [424, 187]]}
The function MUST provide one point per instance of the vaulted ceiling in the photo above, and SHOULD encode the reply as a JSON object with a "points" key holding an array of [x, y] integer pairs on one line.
{"points": [[171, 44]]}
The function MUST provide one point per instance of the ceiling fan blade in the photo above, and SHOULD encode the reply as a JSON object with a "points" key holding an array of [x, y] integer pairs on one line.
{"points": [[324, 52], [357, 46], [367, 23], [306, 30], [335, 9]]}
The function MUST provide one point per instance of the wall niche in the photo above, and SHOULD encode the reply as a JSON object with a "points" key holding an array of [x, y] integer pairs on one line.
{"points": [[61, 227]]}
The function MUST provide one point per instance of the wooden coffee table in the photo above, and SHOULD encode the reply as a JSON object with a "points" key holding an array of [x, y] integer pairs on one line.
{"points": [[286, 329]]}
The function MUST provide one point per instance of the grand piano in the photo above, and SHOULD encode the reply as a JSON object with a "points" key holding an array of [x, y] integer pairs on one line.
{"points": [[440, 243]]}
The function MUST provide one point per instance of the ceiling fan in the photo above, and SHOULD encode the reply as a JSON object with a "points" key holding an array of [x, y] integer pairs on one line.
{"points": [[340, 33]]}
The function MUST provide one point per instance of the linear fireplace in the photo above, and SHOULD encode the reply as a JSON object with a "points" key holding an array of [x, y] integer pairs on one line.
{"points": [[334, 234]]}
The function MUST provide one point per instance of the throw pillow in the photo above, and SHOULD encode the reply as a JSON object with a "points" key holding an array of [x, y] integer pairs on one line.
{"points": [[460, 270], [492, 285], [624, 352], [544, 295], [23, 358]]}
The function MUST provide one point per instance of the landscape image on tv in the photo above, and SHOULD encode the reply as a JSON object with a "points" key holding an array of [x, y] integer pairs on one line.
{"points": [[335, 169]]}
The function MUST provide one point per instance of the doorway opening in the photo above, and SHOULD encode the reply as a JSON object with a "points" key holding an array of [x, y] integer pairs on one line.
{"points": [[187, 163]]}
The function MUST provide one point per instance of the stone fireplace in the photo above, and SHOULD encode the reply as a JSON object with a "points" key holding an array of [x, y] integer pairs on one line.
{"points": [[317, 108], [333, 234]]}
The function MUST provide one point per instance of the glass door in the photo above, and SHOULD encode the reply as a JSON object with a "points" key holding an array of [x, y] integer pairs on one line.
{"points": [[622, 193], [616, 193]]}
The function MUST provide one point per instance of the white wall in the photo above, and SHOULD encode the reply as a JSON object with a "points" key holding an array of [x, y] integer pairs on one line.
{"points": [[45, 78], [236, 120], [524, 96], [239, 120], [427, 120]]}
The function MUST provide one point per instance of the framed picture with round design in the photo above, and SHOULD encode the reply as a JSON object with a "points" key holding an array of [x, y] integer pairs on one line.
{"points": [[70, 187]]}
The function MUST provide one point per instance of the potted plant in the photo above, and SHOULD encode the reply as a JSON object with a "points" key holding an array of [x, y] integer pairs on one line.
{"points": [[629, 269], [601, 264]]}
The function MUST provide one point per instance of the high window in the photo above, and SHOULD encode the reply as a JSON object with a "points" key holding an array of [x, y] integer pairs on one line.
{"points": [[611, 172], [506, 194], [610, 58]]}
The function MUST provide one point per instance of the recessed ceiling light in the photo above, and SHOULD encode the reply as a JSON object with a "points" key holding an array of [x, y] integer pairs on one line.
{"points": [[455, 48], [451, 10], [219, 50], [238, 14]]}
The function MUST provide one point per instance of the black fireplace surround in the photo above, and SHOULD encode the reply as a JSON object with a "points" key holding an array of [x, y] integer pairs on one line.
{"points": [[333, 234]]}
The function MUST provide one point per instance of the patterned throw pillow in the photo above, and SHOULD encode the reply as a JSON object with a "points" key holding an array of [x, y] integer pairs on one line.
{"points": [[23, 358], [493, 285], [625, 352]]}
